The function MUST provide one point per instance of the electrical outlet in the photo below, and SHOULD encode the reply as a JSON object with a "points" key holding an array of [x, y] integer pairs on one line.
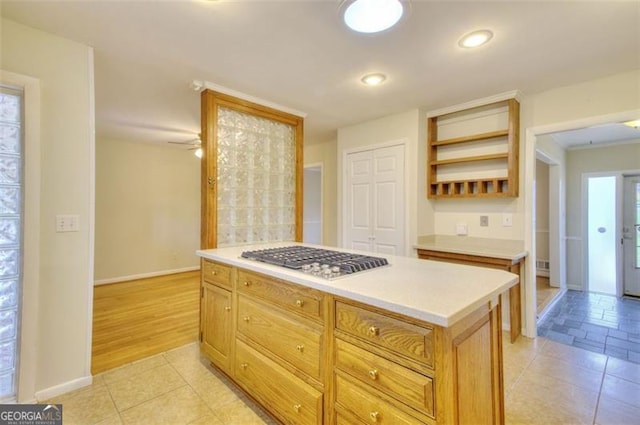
{"points": [[507, 220], [484, 220], [461, 229], [67, 223]]}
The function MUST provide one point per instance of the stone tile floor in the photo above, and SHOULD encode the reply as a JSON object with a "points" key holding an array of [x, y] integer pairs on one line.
{"points": [[545, 382], [595, 322]]}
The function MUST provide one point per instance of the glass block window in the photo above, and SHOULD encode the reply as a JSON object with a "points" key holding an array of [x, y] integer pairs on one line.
{"points": [[256, 181], [10, 235]]}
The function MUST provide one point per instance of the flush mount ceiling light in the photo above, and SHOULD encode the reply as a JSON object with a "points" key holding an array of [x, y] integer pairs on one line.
{"points": [[373, 79], [475, 39], [633, 124], [371, 16]]}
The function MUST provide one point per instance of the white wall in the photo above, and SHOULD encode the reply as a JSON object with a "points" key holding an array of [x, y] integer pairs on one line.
{"points": [[407, 126], [147, 210], [65, 71]]}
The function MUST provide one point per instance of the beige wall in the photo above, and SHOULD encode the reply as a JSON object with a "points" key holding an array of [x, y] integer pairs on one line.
{"points": [[147, 209], [325, 153], [612, 159], [409, 128], [65, 71], [542, 211]]}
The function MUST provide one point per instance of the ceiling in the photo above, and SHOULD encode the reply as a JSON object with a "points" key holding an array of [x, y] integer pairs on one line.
{"points": [[606, 134], [299, 54]]}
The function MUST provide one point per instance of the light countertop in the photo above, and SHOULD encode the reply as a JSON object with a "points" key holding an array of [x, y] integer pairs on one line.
{"points": [[484, 247], [436, 292]]}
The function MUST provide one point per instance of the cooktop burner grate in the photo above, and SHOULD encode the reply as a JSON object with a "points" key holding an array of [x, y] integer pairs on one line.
{"points": [[316, 261]]}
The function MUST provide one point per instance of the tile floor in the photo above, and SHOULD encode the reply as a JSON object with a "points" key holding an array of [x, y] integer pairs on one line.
{"points": [[545, 383], [595, 322]]}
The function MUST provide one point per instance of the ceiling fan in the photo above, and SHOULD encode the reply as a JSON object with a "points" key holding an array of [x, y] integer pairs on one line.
{"points": [[195, 144]]}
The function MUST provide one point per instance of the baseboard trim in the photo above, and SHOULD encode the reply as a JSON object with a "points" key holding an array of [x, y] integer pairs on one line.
{"points": [[144, 275], [57, 390]]}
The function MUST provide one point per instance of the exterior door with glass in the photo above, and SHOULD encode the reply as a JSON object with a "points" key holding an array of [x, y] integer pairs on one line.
{"points": [[631, 235]]}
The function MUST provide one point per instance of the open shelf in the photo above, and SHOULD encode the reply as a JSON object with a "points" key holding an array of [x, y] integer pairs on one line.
{"points": [[470, 154], [470, 159], [473, 138]]}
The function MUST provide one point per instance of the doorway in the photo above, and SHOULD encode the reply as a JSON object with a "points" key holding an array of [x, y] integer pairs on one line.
{"points": [[312, 206], [548, 257], [631, 235]]}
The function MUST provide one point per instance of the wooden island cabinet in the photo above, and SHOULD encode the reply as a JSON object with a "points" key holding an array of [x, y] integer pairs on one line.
{"points": [[334, 352]]}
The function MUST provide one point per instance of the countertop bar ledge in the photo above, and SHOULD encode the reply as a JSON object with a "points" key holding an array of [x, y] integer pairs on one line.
{"points": [[436, 292], [506, 249]]}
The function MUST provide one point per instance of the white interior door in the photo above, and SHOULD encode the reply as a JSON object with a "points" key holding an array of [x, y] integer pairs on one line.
{"points": [[389, 200], [375, 201], [631, 235], [359, 200]]}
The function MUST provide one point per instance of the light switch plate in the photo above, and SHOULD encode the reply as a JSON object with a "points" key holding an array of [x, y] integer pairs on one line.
{"points": [[484, 220], [67, 223]]}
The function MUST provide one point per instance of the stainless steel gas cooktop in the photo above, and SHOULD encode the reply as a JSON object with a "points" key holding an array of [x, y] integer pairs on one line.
{"points": [[320, 262]]}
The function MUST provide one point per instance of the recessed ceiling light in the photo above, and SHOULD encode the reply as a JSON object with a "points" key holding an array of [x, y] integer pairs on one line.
{"points": [[370, 16], [373, 79], [475, 39]]}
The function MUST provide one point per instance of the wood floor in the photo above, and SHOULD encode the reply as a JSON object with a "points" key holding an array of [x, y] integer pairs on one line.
{"points": [[545, 293], [139, 318]]}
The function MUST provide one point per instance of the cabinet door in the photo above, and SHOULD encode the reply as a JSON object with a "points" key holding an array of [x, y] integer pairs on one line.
{"points": [[215, 325]]}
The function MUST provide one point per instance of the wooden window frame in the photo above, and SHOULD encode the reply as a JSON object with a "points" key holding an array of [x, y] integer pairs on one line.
{"points": [[210, 102]]}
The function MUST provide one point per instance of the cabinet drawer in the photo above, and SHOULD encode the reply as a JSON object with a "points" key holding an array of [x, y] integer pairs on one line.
{"points": [[397, 335], [216, 273], [281, 333], [369, 407], [290, 398], [296, 298], [410, 387]]}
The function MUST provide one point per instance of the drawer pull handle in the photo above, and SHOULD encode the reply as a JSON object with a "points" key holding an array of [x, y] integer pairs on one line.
{"points": [[299, 303], [300, 348], [297, 407], [374, 416], [374, 331], [247, 283], [227, 308], [373, 374], [213, 272], [243, 366], [246, 318]]}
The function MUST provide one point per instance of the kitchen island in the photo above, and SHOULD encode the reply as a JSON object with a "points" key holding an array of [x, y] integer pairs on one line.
{"points": [[409, 343]]}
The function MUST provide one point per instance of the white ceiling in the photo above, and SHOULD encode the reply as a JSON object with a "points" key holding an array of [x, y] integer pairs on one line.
{"points": [[606, 134], [299, 54]]}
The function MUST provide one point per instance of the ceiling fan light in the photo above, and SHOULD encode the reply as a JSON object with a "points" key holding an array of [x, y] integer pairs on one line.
{"points": [[475, 39], [371, 16], [198, 152]]}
